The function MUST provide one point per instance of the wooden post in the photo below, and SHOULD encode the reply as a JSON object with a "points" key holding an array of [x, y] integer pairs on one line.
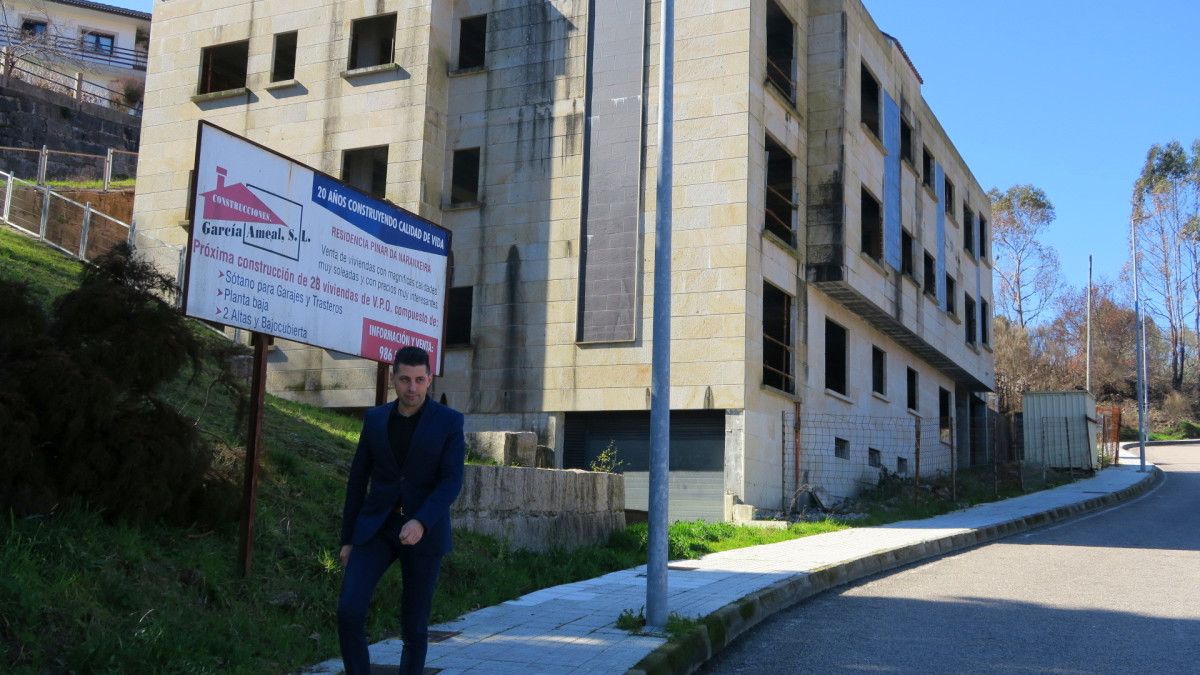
{"points": [[917, 460], [253, 441]]}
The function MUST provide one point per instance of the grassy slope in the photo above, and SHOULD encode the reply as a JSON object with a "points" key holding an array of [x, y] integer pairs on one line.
{"points": [[80, 594]]}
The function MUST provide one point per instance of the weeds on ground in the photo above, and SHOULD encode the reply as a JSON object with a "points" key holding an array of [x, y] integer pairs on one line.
{"points": [[677, 624], [1181, 430]]}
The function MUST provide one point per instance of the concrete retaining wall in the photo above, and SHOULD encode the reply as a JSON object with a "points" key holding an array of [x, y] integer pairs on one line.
{"points": [[539, 509]]}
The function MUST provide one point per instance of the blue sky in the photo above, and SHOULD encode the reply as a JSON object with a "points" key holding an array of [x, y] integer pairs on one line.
{"points": [[1065, 94]]}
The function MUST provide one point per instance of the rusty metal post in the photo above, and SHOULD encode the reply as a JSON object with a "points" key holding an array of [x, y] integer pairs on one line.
{"points": [[917, 461], [796, 450], [381, 383], [253, 441], [953, 461]]}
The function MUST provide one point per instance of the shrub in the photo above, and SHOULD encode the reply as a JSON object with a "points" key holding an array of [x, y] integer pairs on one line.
{"points": [[78, 409]]}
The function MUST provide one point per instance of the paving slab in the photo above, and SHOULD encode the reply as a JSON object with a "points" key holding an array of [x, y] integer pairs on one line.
{"points": [[570, 628]]}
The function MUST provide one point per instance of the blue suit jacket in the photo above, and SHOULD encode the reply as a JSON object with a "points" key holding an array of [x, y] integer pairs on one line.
{"points": [[425, 486]]}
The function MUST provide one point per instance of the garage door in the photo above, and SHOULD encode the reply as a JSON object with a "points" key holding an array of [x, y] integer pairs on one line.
{"points": [[697, 486]]}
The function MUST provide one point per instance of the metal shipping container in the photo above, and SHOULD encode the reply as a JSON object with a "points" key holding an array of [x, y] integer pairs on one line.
{"points": [[1061, 429]]}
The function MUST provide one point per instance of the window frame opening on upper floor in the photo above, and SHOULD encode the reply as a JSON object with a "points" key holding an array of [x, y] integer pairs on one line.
{"points": [[780, 50], [927, 163], [223, 67], [472, 42], [871, 225], [969, 318], [951, 291], [968, 229], [97, 42], [465, 173], [870, 101], [983, 240], [907, 264], [837, 343], [779, 201], [366, 169], [912, 389], [372, 41], [906, 142], [460, 303], [878, 371], [778, 339], [985, 315], [34, 28], [948, 195], [283, 56], [929, 275]]}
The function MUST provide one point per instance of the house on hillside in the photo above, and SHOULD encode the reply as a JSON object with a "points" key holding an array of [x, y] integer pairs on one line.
{"points": [[91, 50], [832, 273]]}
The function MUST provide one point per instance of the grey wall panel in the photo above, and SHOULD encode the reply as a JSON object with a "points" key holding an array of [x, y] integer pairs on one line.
{"points": [[610, 231]]}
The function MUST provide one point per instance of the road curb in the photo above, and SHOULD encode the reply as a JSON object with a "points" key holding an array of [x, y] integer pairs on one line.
{"points": [[717, 630]]}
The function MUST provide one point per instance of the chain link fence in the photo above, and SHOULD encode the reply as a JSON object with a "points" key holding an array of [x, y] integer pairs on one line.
{"points": [[853, 462]]}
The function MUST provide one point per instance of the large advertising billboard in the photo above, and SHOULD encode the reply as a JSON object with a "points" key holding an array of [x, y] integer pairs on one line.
{"points": [[279, 248]]}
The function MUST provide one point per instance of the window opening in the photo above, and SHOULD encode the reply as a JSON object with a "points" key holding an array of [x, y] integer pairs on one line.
{"points": [[472, 42], [372, 41], [223, 67], [283, 65], [777, 339], [779, 202]]}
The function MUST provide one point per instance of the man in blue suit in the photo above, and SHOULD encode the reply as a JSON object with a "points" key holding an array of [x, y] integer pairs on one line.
{"points": [[411, 452]]}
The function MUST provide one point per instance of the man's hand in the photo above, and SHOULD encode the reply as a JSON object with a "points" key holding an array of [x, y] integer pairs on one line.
{"points": [[344, 556], [412, 532]]}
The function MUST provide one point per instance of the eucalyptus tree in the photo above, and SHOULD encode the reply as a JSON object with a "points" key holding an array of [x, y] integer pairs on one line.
{"points": [[1028, 268], [1166, 221]]}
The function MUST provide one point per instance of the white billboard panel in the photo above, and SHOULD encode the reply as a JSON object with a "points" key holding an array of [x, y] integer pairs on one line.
{"points": [[281, 249]]}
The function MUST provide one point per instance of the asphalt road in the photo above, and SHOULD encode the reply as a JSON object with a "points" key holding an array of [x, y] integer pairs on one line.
{"points": [[1115, 591]]}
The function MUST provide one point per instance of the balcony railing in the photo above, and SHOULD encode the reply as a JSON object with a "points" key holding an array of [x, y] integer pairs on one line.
{"points": [[73, 48], [779, 74]]}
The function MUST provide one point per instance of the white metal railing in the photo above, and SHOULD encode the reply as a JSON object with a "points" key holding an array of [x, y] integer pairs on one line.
{"points": [[75, 228], [65, 165]]}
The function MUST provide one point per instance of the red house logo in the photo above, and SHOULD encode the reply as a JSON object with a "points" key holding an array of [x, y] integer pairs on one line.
{"points": [[237, 203]]}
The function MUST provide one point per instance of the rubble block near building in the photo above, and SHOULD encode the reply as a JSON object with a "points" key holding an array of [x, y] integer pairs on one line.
{"points": [[540, 509], [510, 448]]}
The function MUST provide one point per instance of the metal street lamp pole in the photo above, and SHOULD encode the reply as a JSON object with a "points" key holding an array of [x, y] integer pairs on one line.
{"points": [[1139, 330], [660, 379]]}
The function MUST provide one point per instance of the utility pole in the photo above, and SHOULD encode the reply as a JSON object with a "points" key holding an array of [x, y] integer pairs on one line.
{"points": [[1141, 350], [660, 358], [1088, 358]]}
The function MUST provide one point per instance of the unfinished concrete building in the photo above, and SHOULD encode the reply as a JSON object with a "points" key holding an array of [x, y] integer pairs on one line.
{"points": [[822, 216]]}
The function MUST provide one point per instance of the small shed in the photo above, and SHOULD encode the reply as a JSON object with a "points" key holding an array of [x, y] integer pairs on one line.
{"points": [[1061, 429]]}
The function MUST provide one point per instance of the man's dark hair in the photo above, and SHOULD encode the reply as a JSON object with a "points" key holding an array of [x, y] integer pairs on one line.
{"points": [[411, 356]]}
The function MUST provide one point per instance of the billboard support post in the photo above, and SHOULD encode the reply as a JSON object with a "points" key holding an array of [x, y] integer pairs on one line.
{"points": [[253, 443], [381, 384]]}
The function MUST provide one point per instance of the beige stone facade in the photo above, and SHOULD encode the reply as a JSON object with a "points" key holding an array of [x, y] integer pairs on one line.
{"points": [[522, 245]]}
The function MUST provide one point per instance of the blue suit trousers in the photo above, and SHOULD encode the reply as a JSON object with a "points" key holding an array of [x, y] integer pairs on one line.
{"points": [[367, 564]]}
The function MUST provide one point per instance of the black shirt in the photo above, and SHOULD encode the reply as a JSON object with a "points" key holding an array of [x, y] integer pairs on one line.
{"points": [[400, 431]]}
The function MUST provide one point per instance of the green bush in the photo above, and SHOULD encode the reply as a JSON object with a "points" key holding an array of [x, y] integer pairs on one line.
{"points": [[78, 409]]}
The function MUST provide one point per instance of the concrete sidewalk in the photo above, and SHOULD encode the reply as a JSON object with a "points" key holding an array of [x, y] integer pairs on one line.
{"points": [[570, 628]]}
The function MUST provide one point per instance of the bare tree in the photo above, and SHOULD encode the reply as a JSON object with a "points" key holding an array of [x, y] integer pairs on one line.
{"points": [[1028, 268], [1166, 206]]}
